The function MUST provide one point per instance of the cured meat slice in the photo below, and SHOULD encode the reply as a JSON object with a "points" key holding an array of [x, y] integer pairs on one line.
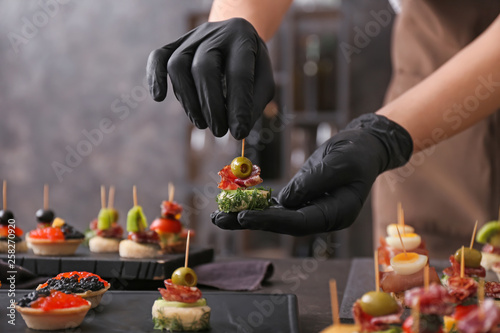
{"points": [[230, 182], [461, 288], [435, 300], [177, 293], [392, 282]]}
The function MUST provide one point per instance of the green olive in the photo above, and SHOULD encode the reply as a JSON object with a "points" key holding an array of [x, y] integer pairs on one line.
{"points": [[472, 257], [241, 167], [378, 303], [184, 276]]}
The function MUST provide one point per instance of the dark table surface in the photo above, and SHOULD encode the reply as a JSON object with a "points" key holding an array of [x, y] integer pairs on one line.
{"points": [[308, 279]]}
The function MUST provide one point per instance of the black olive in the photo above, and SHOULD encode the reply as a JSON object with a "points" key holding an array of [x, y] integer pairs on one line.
{"points": [[5, 216], [46, 216]]}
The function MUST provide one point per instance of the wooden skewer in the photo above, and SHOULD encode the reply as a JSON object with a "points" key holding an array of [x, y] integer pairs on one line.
{"points": [[4, 194], [103, 197], [426, 277], [473, 236], [480, 291], [462, 263], [334, 301], [111, 198], [171, 191], [480, 297], [134, 194], [401, 240], [377, 277], [243, 148], [187, 249], [401, 217], [415, 312], [45, 197]]}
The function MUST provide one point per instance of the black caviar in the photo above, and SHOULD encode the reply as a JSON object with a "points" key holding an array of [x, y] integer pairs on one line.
{"points": [[26, 300], [15, 239], [72, 285], [70, 232]]}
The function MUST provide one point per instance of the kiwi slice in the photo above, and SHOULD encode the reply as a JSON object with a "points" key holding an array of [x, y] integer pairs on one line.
{"points": [[136, 220], [487, 231], [104, 219]]}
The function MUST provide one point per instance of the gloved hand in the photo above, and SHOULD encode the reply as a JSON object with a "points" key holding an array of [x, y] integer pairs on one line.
{"points": [[221, 74], [331, 187]]}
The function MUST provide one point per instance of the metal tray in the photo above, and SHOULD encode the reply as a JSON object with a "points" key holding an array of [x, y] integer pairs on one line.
{"points": [[130, 311], [111, 265]]}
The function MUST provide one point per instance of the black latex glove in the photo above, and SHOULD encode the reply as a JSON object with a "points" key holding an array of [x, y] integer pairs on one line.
{"points": [[331, 187], [221, 74]]}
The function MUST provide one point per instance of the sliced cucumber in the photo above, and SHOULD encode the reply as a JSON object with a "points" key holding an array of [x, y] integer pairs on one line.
{"points": [[200, 302]]}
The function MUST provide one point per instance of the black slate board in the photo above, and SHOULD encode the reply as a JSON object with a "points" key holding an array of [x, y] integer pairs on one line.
{"points": [[130, 311], [111, 265], [362, 280]]}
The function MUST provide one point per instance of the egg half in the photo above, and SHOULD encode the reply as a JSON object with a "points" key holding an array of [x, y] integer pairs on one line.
{"points": [[392, 229], [409, 263], [410, 240]]}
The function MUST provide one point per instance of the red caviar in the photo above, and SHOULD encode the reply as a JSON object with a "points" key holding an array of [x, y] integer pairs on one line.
{"points": [[4, 231], [47, 233], [58, 300], [80, 275]]}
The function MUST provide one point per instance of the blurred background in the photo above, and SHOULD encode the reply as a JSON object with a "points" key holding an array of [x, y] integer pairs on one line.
{"points": [[76, 112]]}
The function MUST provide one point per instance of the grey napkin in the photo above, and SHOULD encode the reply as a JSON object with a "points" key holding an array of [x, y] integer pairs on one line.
{"points": [[24, 279], [235, 275]]}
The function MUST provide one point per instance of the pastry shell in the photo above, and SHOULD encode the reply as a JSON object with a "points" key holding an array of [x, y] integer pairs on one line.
{"points": [[47, 247], [56, 319]]}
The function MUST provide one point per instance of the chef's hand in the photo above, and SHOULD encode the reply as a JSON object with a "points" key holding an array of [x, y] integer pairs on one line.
{"points": [[221, 74], [331, 187]]}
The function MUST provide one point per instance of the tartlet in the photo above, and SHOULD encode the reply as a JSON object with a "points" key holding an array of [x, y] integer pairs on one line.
{"points": [[66, 310], [60, 239]]}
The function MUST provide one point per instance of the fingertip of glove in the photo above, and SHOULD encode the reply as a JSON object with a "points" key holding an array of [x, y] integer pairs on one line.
{"points": [[157, 94], [239, 132], [284, 197], [246, 220], [218, 131]]}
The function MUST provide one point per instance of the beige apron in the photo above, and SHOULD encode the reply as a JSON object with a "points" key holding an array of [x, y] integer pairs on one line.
{"points": [[445, 189]]}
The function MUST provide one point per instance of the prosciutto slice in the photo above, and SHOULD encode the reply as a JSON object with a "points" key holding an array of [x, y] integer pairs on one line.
{"points": [[469, 271], [230, 182], [391, 282], [369, 323]]}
